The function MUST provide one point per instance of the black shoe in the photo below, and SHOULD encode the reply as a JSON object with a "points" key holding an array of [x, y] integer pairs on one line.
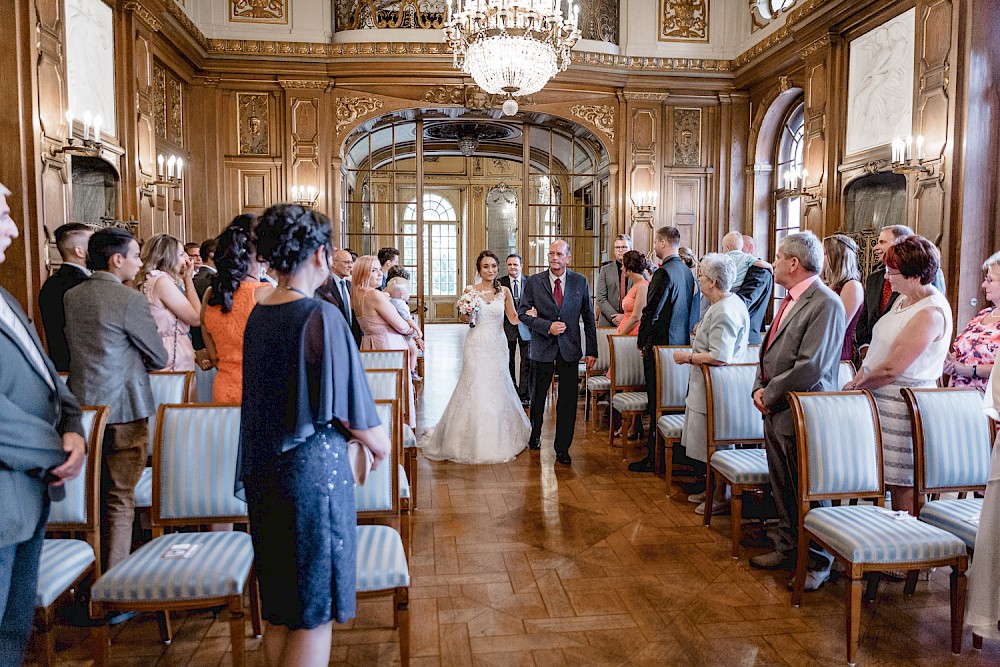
{"points": [[564, 458], [534, 444], [525, 403], [645, 465]]}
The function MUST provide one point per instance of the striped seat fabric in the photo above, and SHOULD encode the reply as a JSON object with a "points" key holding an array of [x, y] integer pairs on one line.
{"points": [[630, 401], [673, 378], [73, 508], [404, 484], [742, 466], [956, 438], [61, 563], [953, 516], [603, 362], [168, 388], [376, 493], [204, 383], [842, 444], [144, 489], [736, 418], [598, 383], [869, 534], [845, 373], [628, 368], [219, 567], [409, 437], [670, 426], [381, 560], [383, 359]]}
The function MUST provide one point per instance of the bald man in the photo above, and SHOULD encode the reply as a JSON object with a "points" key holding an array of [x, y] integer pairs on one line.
{"points": [[337, 289]]}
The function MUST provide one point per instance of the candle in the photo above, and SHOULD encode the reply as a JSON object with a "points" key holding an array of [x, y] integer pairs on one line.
{"points": [[86, 125], [909, 148], [312, 192], [69, 124], [159, 164], [98, 121], [170, 166], [180, 163], [920, 148], [805, 177]]}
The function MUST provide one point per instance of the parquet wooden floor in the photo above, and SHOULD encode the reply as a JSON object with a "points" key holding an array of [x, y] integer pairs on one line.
{"points": [[528, 563]]}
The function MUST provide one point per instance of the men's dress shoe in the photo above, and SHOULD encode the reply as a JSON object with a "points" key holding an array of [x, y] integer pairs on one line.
{"points": [[564, 458], [772, 560], [645, 465], [534, 444], [814, 579]]}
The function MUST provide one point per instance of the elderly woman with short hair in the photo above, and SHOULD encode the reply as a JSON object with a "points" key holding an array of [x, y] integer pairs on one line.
{"points": [[970, 362], [721, 339]]}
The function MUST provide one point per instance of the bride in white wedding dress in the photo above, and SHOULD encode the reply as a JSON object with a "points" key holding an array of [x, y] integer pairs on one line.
{"points": [[484, 421]]}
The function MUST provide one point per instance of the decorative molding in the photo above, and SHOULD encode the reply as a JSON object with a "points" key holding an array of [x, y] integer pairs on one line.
{"points": [[380, 14], [647, 97], [817, 45], [188, 24], [875, 166], [683, 21], [159, 102], [648, 63], [143, 15], [784, 83], [350, 109], [253, 123], [258, 11], [175, 112], [687, 137], [601, 116], [305, 84], [599, 20], [470, 97], [795, 16]]}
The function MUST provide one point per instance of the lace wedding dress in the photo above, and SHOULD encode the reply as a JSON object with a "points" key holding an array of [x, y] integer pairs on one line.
{"points": [[484, 421]]}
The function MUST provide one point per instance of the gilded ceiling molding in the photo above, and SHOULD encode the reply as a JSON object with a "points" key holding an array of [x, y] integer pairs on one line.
{"points": [[795, 16], [258, 11], [305, 84], [647, 97], [143, 15], [818, 45], [470, 97], [647, 63], [683, 21], [350, 109], [188, 24], [601, 116]]}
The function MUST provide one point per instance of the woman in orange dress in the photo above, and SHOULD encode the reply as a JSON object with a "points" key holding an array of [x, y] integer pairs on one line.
{"points": [[636, 268], [235, 290]]}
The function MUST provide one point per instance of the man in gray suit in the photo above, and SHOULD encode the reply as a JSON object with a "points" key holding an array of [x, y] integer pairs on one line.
{"points": [[612, 285], [113, 343], [41, 447], [800, 353]]}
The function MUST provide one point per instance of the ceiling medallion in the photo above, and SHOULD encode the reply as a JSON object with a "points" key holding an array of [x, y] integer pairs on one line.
{"points": [[512, 47], [468, 135]]}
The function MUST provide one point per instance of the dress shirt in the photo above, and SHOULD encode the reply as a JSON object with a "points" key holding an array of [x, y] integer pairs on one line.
{"points": [[794, 295], [562, 283], [8, 318]]}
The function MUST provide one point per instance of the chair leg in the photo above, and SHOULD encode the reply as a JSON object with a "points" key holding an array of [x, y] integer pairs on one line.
{"points": [[402, 613], [628, 419], [657, 453], [46, 638], [237, 631], [871, 590], [411, 474], [801, 566], [977, 641], [709, 495], [911, 582], [100, 636], [668, 464], [958, 584], [255, 615], [735, 518], [404, 531], [166, 630], [853, 619]]}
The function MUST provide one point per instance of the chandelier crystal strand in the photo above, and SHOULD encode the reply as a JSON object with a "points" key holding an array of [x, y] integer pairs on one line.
{"points": [[512, 47]]}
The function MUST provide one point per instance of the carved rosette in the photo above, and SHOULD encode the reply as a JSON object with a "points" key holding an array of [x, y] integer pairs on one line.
{"points": [[258, 11], [603, 117], [350, 109], [687, 137], [253, 123], [683, 21]]}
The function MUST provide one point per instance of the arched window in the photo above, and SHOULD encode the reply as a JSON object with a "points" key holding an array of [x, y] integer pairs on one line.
{"points": [[441, 266], [787, 208]]}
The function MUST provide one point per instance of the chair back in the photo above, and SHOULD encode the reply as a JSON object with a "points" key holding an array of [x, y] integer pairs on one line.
{"points": [[627, 372], [393, 360], [839, 444], [603, 362], [80, 509], [673, 379], [385, 383], [379, 497], [195, 448], [845, 373], [732, 416], [951, 439], [170, 387], [204, 384]]}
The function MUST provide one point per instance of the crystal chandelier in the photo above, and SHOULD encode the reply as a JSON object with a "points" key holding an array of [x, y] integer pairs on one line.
{"points": [[512, 47]]}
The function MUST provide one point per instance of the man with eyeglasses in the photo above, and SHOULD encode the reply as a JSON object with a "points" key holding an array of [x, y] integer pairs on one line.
{"points": [[337, 289], [612, 285]]}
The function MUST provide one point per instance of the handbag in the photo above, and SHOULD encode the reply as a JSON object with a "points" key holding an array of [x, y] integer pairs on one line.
{"points": [[361, 460]]}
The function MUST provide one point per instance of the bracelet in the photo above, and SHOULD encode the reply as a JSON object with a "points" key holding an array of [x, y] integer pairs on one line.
{"points": [[691, 357]]}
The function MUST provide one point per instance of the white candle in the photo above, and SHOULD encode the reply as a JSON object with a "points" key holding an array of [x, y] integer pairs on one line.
{"points": [[180, 164], [69, 123], [920, 147], [909, 148], [98, 121], [170, 166], [86, 125], [805, 177], [159, 164]]}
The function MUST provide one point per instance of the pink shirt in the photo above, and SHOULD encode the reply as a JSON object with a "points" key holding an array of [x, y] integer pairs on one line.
{"points": [[793, 295]]}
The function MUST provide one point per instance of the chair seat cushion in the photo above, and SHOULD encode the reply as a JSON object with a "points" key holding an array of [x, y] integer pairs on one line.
{"points": [[404, 483], [381, 559], [599, 383], [952, 516], [869, 534], [742, 466], [61, 563], [630, 401], [218, 568], [670, 426], [144, 489], [409, 437]]}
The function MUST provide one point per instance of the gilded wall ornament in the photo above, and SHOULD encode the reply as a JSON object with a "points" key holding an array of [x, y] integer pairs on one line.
{"points": [[305, 84], [601, 116], [350, 109], [175, 112], [143, 15], [599, 20], [383, 14], [253, 124], [470, 97], [159, 102], [683, 21], [687, 137], [258, 11]]}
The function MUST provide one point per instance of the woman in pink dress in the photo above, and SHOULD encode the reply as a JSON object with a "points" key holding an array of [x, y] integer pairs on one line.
{"points": [[971, 359], [636, 268]]}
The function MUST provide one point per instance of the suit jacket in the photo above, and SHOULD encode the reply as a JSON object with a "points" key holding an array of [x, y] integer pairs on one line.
{"points": [[328, 292], [202, 281], [113, 344], [50, 301], [804, 354], [34, 418], [575, 307], [756, 293], [672, 306], [512, 330], [608, 293], [871, 311]]}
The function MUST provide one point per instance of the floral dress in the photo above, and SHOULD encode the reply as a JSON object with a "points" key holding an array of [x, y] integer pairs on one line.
{"points": [[976, 346]]}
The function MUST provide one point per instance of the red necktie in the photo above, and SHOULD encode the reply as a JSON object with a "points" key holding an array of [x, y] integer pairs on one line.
{"points": [[557, 293], [777, 318], [886, 293]]}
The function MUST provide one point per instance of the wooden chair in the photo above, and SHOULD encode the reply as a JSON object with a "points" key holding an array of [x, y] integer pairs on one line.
{"points": [[387, 385], [66, 563], [597, 381], [627, 393], [671, 393], [173, 388], [839, 445], [733, 419], [194, 464], [845, 373]]}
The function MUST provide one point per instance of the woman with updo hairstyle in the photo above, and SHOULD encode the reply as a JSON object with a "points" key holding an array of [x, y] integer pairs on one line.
{"points": [[235, 290], [304, 395], [636, 268], [841, 274]]}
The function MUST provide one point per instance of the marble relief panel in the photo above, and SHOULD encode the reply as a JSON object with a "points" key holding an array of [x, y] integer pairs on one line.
{"points": [[90, 60]]}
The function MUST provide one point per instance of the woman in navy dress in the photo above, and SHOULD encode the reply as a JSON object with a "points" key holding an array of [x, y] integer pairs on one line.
{"points": [[304, 395]]}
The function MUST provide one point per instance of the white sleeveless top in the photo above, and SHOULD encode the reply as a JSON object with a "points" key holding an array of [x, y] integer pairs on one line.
{"points": [[929, 365]]}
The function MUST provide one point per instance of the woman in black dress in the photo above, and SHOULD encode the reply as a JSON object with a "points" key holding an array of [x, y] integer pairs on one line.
{"points": [[304, 394]]}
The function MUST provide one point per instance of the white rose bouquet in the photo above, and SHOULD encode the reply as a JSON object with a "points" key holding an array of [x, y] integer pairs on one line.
{"points": [[469, 304]]}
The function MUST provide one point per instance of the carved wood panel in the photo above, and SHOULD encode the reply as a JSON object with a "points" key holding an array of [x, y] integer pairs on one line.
{"points": [[644, 128], [687, 137], [253, 123], [168, 105], [683, 21], [258, 11], [304, 150], [685, 207]]}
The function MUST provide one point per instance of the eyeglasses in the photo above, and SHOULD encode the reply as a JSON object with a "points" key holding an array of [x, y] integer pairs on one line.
{"points": [[892, 272]]}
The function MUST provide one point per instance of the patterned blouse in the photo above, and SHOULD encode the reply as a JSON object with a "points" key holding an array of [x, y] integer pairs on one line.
{"points": [[977, 345]]}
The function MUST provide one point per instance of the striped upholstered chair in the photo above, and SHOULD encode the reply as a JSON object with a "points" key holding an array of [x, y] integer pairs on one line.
{"points": [[382, 557], [840, 457], [65, 563], [627, 393], [387, 384], [168, 387], [733, 419], [670, 395], [951, 451], [845, 373], [194, 464], [371, 500], [597, 381]]}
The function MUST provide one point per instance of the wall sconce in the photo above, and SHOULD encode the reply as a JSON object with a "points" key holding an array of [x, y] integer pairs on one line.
{"points": [[903, 161], [643, 203], [89, 146], [170, 176], [796, 184], [304, 196]]}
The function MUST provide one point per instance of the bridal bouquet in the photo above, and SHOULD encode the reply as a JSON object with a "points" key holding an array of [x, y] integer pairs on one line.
{"points": [[469, 304]]}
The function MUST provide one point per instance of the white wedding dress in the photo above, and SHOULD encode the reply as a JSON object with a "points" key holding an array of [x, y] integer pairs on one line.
{"points": [[484, 421]]}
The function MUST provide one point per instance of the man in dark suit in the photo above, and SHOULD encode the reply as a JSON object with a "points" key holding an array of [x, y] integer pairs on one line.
{"points": [[41, 447], [801, 353], [203, 276], [71, 240], [388, 257], [612, 286], [561, 299], [879, 297], [672, 307], [337, 290], [756, 293], [514, 281]]}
